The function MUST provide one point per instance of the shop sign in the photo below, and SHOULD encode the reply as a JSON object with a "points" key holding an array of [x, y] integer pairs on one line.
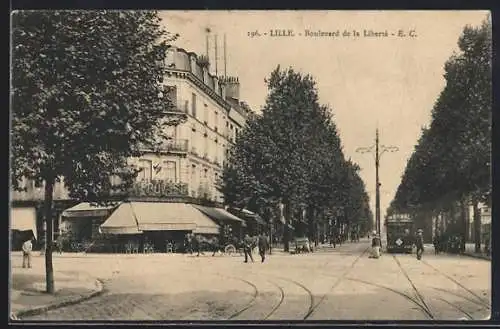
{"points": [[159, 188]]}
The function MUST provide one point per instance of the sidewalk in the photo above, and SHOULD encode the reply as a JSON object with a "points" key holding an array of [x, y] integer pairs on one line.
{"points": [[27, 290], [470, 251]]}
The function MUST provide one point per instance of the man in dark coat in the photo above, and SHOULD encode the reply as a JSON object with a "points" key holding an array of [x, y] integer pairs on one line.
{"points": [[263, 246], [247, 247], [419, 243]]}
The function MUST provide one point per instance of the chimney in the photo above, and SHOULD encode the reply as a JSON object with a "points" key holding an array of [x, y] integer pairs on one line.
{"points": [[223, 87], [233, 88]]}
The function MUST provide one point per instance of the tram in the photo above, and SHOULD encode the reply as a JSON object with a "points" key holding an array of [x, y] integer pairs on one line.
{"points": [[400, 233]]}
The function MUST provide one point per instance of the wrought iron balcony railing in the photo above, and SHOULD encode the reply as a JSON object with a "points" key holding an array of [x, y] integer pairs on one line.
{"points": [[173, 145]]}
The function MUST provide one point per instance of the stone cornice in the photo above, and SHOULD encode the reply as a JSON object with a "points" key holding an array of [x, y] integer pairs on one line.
{"points": [[200, 84]]}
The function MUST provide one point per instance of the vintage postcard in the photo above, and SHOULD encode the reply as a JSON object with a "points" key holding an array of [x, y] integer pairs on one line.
{"points": [[250, 165]]}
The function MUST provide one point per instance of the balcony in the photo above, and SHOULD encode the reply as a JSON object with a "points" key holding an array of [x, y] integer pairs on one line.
{"points": [[176, 145], [170, 146]]}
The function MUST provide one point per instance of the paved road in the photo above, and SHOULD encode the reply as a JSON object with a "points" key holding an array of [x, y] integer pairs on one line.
{"points": [[337, 284]]}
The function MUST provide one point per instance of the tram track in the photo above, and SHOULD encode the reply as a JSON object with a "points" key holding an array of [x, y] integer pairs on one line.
{"points": [[277, 306], [314, 307], [417, 292], [406, 296], [475, 302], [458, 308], [252, 300], [480, 301], [282, 295], [304, 288]]}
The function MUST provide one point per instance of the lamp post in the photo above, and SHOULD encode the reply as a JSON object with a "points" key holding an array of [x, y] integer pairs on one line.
{"points": [[379, 150]]}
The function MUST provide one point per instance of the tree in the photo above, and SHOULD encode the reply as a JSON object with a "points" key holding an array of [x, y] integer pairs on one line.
{"points": [[451, 162], [292, 153], [86, 96]]}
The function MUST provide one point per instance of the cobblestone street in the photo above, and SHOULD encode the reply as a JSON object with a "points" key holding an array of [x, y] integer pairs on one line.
{"points": [[341, 283]]}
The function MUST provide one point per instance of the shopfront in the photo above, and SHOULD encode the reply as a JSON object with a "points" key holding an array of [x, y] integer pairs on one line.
{"points": [[22, 225], [152, 226]]}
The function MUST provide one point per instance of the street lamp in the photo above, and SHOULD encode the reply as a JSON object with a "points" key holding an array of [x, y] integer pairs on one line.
{"points": [[379, 150]]}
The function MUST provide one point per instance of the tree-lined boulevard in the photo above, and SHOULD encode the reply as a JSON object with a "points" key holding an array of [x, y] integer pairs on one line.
{"points": [[336, 284], [87, 95]]}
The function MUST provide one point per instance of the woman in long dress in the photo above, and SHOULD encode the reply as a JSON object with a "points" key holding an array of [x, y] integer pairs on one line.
{"points": [[376, 244]]}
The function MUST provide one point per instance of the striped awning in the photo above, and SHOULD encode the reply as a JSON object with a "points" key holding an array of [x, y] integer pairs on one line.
{"points": [[86, 209], [158, 216], [23, 219]]}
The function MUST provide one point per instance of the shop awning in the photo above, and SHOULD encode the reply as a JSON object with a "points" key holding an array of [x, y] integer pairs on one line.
{"points": [[220, 215], [86, 209], [23, 219], [136, 217], [164, 216], [121, 221], [249, 215]]}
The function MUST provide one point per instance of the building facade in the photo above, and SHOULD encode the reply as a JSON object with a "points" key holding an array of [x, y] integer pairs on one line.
{"points": [[198, 148], [187, 167]]}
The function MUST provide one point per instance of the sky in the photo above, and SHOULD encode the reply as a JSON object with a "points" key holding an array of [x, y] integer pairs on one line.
{"points": [[390, 82]]}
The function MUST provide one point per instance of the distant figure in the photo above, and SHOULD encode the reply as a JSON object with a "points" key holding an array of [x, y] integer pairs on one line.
{"points": [[419, 242], [247, 247], [59, 243], [27, 248], [435, 242], [263, 246], [376, 244]]}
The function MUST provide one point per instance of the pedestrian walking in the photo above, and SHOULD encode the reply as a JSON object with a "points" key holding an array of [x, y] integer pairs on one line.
{"points": [[263, 246], [27, 249], [376, 244], [419, 243], [435, 242], [247, 247]]}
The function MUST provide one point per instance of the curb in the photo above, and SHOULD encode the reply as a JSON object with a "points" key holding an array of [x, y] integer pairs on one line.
{"points": [[476, 256], [42, 309]]}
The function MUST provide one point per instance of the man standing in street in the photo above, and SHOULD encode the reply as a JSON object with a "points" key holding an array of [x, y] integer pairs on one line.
{"points": [[419, 242], [27, 248], [247, 247], [263, 246]]}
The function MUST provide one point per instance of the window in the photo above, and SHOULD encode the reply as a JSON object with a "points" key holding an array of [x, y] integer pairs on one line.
{"points": [[170, 173], [205, 145], [145, 166], [193, 104], [205, 114], [170, 93], [170, 131]]}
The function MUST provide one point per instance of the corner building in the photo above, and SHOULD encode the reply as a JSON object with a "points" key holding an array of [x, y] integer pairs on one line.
{"points": [[197, 150], [176, 190]]}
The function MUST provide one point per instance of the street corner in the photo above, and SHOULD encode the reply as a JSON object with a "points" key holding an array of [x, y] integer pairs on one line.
{"points": [[28, 296]]}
